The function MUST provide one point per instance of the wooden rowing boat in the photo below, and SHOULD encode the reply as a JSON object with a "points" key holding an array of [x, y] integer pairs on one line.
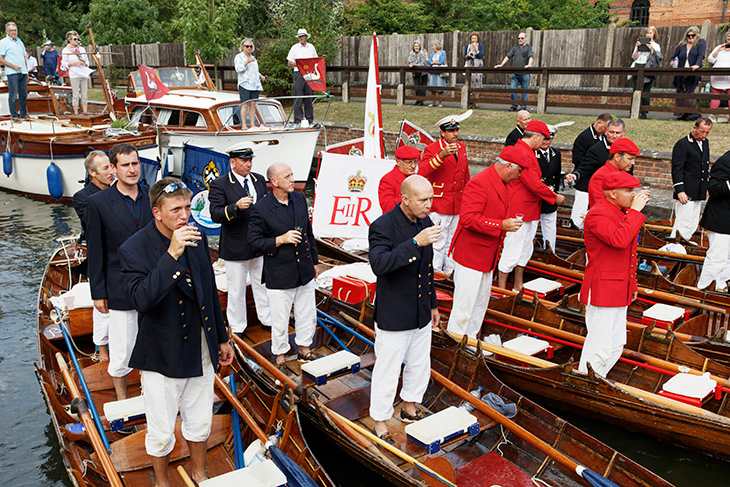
{"points": [[489, 458], [130, 465]]}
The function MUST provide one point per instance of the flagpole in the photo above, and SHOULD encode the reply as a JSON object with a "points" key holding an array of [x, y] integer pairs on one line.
{"points": [[397, 141], [377, 90]]}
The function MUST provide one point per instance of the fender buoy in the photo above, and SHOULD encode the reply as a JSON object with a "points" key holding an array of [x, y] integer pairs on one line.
{"points": [[55, 181], [170, 164], [7, 163]]}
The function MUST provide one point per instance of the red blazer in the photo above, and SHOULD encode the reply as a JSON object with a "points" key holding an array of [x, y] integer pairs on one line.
{"points": [[478, 238], [595, 186], [611, 237], [389, 189], [448, 176], [527, 191]]}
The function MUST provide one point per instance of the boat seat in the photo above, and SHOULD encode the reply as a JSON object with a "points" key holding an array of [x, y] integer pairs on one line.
{"points": [[664, 316], [119, 412], [318, 371], [264, 474], [543, 288], [98, 379], [440, 427], [491, 469], [529, 346], [691, 389]]}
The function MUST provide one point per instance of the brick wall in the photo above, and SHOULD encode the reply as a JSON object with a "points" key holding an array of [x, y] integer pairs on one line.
{"points": [[652, 167], [664, 13]]}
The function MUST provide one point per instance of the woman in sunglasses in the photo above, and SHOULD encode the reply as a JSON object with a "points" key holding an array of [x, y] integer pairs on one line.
{"points": [[75, 60], [249, 80], [689, 54]]}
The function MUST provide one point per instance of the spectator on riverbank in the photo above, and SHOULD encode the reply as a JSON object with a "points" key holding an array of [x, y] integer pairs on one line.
{"points": [[417, 57], [647, 55], [473, 54], [437, 59], [49, 55], [720, 58], [689, 54], [523, 57]]}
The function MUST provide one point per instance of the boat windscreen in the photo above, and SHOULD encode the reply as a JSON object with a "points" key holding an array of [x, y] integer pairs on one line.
{"points": [[177, 77], [271, 114]]}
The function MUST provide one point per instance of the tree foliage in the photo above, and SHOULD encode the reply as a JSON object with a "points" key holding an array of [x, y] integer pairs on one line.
{"points": [[124, 22], [384, 16], [39, 20], [210, 26]]}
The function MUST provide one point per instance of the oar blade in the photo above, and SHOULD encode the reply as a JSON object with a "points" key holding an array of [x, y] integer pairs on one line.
{"points": [[594, 479], [441, 466], [295, 475]]}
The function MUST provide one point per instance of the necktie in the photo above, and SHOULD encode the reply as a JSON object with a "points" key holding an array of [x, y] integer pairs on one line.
{"points": [[245, 186]]}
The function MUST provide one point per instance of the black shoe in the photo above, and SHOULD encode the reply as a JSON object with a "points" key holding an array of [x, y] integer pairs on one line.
{"points": [[512, 109], [642, 115], [691, 117]]}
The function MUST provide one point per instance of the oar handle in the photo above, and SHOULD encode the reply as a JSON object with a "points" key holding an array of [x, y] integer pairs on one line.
{"points": [[184, 475], [263, 362]]}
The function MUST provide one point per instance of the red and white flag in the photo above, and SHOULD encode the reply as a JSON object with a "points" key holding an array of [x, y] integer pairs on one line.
{"points": [[374, 146], [314, 73], [352, 147], [153, 87], [413, 135]]}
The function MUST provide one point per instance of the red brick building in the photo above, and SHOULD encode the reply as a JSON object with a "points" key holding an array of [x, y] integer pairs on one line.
{"points": [[663, 13]]}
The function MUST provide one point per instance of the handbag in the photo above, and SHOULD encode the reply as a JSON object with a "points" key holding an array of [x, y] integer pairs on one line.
{"points": [[444, 75]]}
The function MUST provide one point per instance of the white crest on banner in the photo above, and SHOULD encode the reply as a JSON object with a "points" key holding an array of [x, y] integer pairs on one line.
{"points": [[346, 202], [373, 146]]}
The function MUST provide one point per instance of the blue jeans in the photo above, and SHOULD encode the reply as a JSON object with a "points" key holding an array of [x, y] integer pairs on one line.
{"points": [[17, 91], [523, 81]]}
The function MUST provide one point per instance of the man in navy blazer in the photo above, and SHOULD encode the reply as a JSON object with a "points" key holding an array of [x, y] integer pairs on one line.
{"points": [[182, 336], [231, 197], [101, 175], [401, 255], [114, 215], [281, 230]]}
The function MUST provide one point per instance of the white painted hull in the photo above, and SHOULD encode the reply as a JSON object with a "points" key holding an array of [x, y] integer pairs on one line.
{"points": [[292, 146]]}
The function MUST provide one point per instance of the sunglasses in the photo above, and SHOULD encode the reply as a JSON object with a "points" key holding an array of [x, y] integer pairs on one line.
{"points": [[691, 35], [74, 38], [170, 188], [248, 46]]}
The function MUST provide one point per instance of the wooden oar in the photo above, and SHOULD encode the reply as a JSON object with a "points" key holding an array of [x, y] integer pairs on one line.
{"points": [[184, 475], [106, 462], [645, 251], [630, 354], [538, 362]]}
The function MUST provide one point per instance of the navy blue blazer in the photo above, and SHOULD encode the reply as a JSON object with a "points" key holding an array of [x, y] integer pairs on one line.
{"points": [[691, 168], [550, 169], [585, 140], [696, 56], [109, 226], [405, 288], [171, 314], [514, 136], [594, 159], [287, 266], [79, 202], [223, 194]]}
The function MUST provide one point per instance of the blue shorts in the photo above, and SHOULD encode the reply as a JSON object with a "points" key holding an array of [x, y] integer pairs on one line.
{"points": [[247, 95]]}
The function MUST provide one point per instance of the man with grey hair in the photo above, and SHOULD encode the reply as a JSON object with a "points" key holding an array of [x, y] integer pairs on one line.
{"points": [[281, 230], [523, 57], [483, 224], [523, 118], [12, 56]]}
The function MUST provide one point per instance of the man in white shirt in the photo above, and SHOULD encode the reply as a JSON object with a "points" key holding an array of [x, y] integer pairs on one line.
{"points": [[301, 50], [31, 63]]}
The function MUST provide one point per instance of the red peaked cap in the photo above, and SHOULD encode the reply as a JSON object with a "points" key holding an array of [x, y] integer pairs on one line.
{"points": [[624, 145], [407, 152], [539, 127], [620, 179], [514, 155]]}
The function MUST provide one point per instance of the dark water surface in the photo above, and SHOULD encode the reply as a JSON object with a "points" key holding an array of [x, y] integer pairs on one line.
{"points": [[28, 444]]}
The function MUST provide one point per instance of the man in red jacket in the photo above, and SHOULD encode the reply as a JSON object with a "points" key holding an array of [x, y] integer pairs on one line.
{"points": [[609, 285], [525, 195], [478, 240], [623, 156], [445, 165], [406, 162]]}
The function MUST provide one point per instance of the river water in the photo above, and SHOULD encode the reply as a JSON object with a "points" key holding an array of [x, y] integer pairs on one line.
{"points": [[28, 444]]}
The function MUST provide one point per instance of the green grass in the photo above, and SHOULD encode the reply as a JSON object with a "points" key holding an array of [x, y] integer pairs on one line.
{"points": [[649, 135]]}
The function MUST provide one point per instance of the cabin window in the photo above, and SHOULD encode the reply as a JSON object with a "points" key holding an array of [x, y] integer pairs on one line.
{"points": [[137, 80], [166, 116], [141, 114], [231, 115], [270, 114], [193, 119]]}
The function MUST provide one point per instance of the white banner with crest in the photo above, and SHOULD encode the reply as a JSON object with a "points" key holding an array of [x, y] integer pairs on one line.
{"points": [[346, 195]]}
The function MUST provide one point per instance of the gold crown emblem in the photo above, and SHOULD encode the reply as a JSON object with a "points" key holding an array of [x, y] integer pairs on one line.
{"points": [[356, 183]]}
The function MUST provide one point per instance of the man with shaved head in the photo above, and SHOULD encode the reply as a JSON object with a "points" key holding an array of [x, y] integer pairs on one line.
{"points": [[280, 229], [401, 254], [523, 118]]}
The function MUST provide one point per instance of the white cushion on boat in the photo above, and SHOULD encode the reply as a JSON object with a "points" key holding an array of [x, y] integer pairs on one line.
{"points": [[664, 312], [124, 409], [355, 244], [440, 425], [264, 474], [542, 285], [78, 297], [324, 366], [360, 270], [697, 386], [674, 248], [221, 283], [527, 345]]}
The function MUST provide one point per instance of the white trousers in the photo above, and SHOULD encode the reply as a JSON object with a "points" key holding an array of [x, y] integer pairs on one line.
{"points": [[686, 218], [605, 339], [472, 289], [717, 261], [441, 261], [305, 316], [393, 348], [101, 328], [549, 227], [162, 395], [580, 208], [238, 274], [122, 336], [518, 247]]}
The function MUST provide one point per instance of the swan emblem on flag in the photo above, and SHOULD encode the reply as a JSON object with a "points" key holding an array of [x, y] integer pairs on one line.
{"points": [[151, 84], [312, 76], [371, 125]]}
